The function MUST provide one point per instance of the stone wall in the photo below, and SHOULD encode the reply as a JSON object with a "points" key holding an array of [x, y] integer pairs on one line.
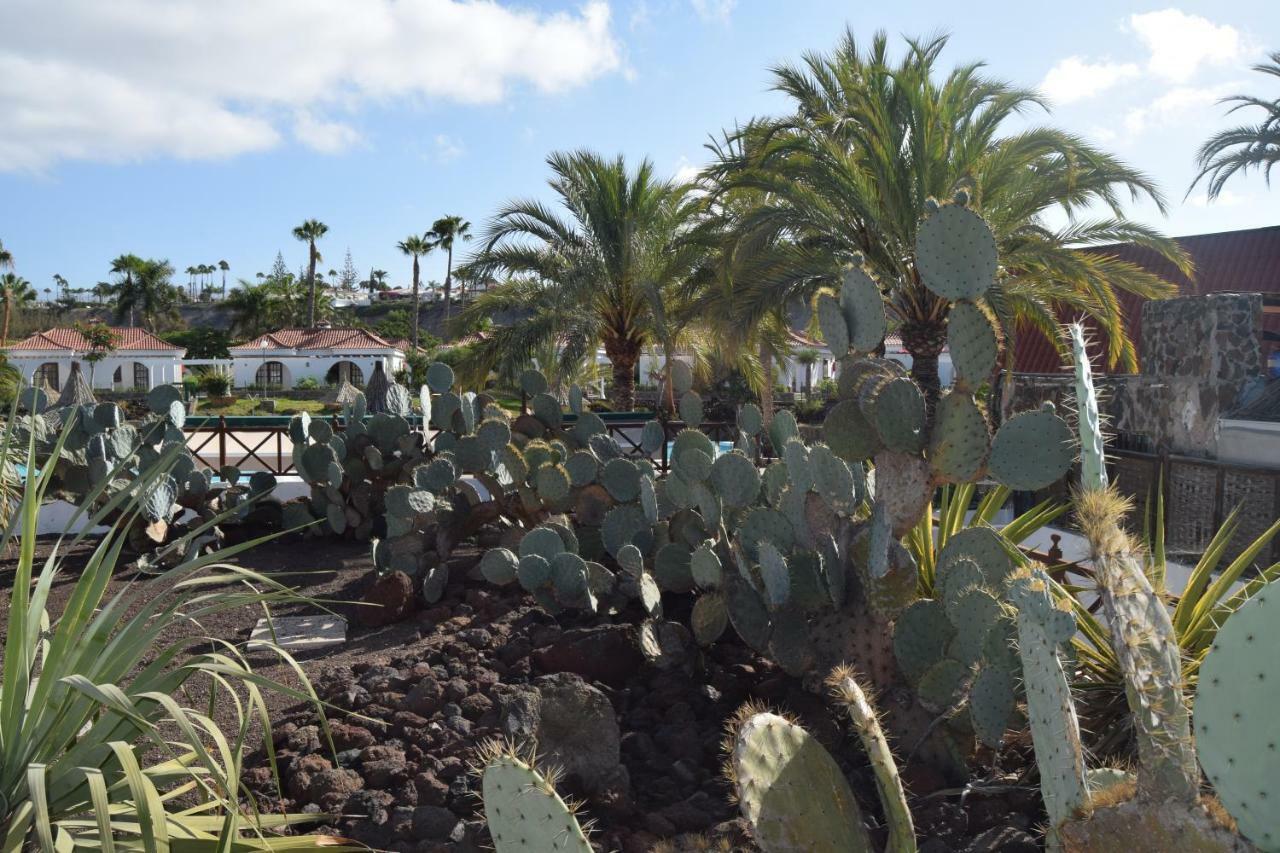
{"points": [[1196, 354]]}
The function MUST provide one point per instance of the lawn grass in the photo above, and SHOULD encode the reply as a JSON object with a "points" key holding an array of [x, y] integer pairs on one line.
{"points": [[249, 406]]}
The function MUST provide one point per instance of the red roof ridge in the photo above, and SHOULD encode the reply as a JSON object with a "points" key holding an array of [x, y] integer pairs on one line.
{"points": [[67, 338]]}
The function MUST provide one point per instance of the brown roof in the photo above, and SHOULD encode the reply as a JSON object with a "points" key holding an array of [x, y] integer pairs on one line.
{"points": [[316, 339], [71, 340], [1227, 262]]}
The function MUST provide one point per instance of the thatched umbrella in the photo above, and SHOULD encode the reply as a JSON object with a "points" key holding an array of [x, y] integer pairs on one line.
{"points": [[76, 390], [375, 392], [344, 395]]}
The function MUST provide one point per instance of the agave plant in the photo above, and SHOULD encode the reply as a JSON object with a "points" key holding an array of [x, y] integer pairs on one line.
{"points": [[96, 751], [930, 535]]}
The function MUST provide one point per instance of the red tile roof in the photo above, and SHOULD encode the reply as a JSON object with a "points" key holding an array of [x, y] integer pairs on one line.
{"points": [[316, 339], [71, 340], [1227, 262]]}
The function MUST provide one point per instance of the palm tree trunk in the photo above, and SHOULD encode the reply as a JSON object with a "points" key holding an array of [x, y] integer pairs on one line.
{"points": [[623, 357], [311, 288], [416, 307], [4, 335], [925, 341], [766, 390], [448, 285]]}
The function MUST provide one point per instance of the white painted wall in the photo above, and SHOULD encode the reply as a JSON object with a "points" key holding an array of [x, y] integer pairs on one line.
{"points": [[162, 368], [316, 365]]}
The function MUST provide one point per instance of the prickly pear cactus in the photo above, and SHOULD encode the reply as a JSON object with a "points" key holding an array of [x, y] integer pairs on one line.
{"points": [[791, 791], [1236, 727], [1044, 627], [523, 810], [882, 415], [1093, 468]]}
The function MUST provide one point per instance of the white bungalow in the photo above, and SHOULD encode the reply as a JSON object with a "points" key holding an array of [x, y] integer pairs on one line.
{"points": [[139, 359], [282, 358]]}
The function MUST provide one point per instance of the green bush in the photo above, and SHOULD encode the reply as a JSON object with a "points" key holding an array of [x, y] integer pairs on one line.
{"points": [[307, 383], [215, 384]]}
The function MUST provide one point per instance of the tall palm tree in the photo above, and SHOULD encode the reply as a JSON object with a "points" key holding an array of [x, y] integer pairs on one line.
{"points": [[224, 266], [16, 293], [807, 357], [850, 171], [416, 245], [60, 284], [443, 233], [309, 232], [191, 279], [595, 277], [125, 266], [145, 288], [1246, 147], [6, 257]]}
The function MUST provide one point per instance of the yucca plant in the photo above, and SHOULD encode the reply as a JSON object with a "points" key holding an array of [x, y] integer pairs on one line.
{"points": [[96, 750], [928, 537]]}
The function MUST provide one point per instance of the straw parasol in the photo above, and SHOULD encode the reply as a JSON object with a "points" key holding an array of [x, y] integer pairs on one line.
{"points": [[76, 390]]}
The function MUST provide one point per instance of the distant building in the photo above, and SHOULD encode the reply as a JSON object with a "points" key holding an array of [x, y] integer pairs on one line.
{"points": [[282, 358], [139, 360]]}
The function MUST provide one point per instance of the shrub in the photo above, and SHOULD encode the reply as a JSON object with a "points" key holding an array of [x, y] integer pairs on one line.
{"points": [[215, 384], [307, 383]]}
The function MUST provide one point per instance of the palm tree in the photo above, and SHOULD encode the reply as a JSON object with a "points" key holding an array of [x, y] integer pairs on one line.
{"points": [[146, 289], [6, 257], [443, 233], [127, 267], [59, 284], [594, 278], [191, 279], [808, 357], [309, 232], [16, 293], [1246, 147], [416, 245], [224, 266], [849, 173]]}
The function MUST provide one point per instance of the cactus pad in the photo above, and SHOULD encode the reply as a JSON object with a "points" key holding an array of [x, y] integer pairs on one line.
{"points": [[532, 382], [983, 546], [552, 483], [1032, 450], [973, 343], [498, 565], [620, 526], [1236, 726], [943, 685], [709, 619], [534, 572], [672, 568], [863, 309], [546, 409], [161, 397], [991, 704], [691, 408], [621, 478], [652, 436], [735, 480], [897, 411], [835, 330], [439, 377], [792, 792], [956, 253], [494, 434], [680, 374], [960, 440], [782, 429], [525, 813], [848, 434]]}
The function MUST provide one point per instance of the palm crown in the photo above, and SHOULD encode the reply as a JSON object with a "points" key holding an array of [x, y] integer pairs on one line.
{"points": [[309, 232], [15, 293], [848, 174], [1245, 147], [592, 277], [416, 245]]}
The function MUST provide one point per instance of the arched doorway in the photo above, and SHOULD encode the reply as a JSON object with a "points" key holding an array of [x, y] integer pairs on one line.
{"points": [[344, 371], [139, 377], [47, 372], [271, 374]]}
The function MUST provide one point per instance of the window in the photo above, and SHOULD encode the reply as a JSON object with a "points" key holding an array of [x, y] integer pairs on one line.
{"points": [[141, 376], [118, 376], [270, 373], [344, 371], [48, 372]]}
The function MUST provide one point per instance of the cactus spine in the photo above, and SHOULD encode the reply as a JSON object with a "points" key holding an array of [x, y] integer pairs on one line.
{"points": [[1055, 730], [866, 722]]}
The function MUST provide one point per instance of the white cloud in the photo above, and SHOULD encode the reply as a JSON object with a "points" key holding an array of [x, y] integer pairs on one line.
{"points": [[128, 79], [1076, 78], [327, 137], [1226, 198], [686, 171], [448, 148], [714, 10], [1180, 43], [1177, 106]]}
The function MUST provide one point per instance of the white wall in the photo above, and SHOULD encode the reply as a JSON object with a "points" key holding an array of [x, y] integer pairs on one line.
{"points": [[244, 368], [161, 369]]}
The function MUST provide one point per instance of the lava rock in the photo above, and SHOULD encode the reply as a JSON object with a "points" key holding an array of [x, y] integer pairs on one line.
{"points": [[605, 653], [390, 599]]}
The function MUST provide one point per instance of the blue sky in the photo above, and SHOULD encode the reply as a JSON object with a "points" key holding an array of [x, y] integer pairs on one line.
{"points": [[198, 131]]}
